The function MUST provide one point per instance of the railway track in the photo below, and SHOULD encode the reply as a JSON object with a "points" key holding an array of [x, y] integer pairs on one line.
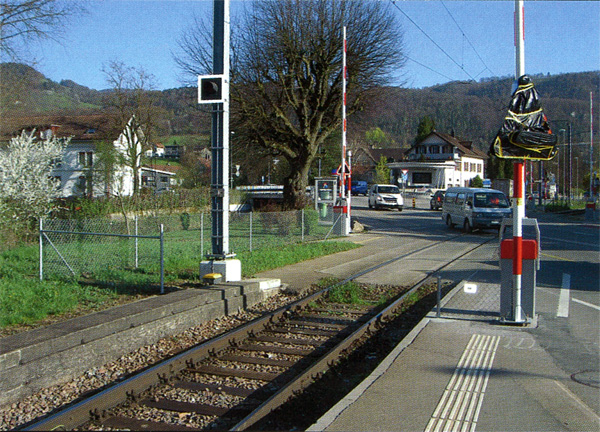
{"points": [[235, 380]]}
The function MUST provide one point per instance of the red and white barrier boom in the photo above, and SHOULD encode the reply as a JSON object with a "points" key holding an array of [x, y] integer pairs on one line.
{"points": [[344, 171]]}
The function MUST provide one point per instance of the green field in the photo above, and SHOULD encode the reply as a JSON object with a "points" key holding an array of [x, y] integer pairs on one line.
{"points": [[109, 278]]}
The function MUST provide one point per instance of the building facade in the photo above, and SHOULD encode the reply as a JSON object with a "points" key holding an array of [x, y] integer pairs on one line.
{"points": [[439, 161], [84, 168]]}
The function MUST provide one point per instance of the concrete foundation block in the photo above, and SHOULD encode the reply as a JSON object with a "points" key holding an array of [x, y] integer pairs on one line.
{"points": [[231, 269]]}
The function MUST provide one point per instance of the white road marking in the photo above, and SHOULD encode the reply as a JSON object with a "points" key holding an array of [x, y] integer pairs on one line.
{"points": [[459, 406], [593, 306], [570, 241], [564, 299]]}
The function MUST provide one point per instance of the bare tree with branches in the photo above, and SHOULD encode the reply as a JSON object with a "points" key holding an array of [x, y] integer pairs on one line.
{"points": [[287, 74], [134, 111], [23, 21]]}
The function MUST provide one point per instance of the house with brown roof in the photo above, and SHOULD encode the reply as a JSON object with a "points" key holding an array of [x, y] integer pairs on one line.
{"points": [[364, 161], [439, 161], [81, 170]]}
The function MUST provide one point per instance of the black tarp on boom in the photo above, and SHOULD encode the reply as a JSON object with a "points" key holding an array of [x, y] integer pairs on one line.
{"points": [[525, 133]]}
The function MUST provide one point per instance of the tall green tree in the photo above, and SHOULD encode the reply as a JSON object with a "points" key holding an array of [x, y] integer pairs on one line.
{"points": [[426, 126], [375, 137], [499, 168], [382, 172]]}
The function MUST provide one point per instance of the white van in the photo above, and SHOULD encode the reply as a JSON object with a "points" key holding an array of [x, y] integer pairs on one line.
{"points": [[475, 208]]}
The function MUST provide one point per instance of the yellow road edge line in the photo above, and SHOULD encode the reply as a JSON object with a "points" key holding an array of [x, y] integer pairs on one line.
{"points": [[557, 257]]}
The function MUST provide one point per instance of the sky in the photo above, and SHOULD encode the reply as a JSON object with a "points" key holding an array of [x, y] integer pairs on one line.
{"points": [[444, 40]]}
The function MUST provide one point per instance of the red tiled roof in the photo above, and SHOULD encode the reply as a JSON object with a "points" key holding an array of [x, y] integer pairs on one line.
{"points": [[84, 127]]}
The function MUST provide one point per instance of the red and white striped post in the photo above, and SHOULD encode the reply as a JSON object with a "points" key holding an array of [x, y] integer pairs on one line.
{"points": [[518, 215], [342, 172], [519, 175], [345, 186]]}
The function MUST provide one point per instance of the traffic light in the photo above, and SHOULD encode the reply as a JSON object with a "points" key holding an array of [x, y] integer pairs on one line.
{"points": [[211, 89]]}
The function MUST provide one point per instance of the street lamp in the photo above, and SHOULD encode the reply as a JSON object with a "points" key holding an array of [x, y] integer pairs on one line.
{"points": [[570, 163], [275, 162], [576, 173]]}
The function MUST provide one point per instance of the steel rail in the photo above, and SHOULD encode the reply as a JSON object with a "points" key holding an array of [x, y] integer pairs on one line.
{"points": [[93, 407], [303, 380]]}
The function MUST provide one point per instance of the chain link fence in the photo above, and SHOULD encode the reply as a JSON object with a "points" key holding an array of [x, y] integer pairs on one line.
{"points": [[143, 250]]}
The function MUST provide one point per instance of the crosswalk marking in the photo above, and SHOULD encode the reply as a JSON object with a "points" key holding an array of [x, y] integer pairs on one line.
{"points": [[564, 299], [459, 406]]}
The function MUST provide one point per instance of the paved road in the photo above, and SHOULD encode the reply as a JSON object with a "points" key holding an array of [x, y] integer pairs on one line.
{"points": [[568, 294], [568, 302]]}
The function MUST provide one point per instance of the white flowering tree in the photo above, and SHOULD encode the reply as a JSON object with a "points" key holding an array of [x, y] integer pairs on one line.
{"points": [[27, 188]]}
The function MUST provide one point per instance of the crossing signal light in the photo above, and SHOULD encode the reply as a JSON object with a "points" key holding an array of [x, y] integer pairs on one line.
{"points": [[211, 89]]}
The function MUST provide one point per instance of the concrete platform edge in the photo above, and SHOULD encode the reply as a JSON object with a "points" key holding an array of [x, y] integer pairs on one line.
{"points": [[328, 418], [20, 377]]}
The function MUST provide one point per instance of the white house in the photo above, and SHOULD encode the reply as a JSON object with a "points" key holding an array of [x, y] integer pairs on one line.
{"points": [[439, 161], [81, 170], [157, 151], [157, 179]]}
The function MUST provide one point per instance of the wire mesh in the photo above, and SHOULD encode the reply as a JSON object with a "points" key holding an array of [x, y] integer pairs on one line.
{"points": [[101, 250], [127, 251]]}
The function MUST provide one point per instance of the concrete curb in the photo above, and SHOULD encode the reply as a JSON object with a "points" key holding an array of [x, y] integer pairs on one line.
{"points": [[329, 417]]}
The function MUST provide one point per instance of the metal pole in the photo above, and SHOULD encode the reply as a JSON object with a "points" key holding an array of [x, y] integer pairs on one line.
{"points": [[519, 39], [162, 259], [519, 173], [570, 166], [343, 168], [220, 135], [518, 215], [201, 235], [41, 250], [136, 241], [591, 144]]}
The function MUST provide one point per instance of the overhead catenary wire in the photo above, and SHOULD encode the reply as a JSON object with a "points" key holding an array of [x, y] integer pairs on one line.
{"points": [[431, 39], [427, 67], [468, 40]]}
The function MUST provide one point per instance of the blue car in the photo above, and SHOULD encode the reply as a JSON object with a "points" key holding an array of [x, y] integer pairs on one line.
{"points": [[359, 188]]}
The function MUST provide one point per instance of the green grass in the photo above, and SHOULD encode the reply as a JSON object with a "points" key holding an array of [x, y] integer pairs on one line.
{"points": [[26, 300], [348, 293]]}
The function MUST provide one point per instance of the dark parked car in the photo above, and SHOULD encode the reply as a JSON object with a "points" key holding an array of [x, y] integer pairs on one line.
{"points": [[359, 188], [437, 200]]}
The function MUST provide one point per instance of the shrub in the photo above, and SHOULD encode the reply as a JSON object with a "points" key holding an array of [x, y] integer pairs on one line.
{"points": [[311, 220], [185, 221]]}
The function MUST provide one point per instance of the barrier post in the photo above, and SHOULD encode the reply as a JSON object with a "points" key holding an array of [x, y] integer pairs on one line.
{"points": [[518, 215]]}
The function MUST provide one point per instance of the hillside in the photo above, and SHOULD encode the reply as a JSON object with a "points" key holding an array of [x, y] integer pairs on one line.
{"points": [[23, 90], [473, 110]]}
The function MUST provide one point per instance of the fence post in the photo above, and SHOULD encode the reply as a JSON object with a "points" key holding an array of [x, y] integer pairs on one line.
{"points": [[201, 236], [136, 241], [250, 231], [439, 296], [41, 250], [302, 227], [162, 259]]}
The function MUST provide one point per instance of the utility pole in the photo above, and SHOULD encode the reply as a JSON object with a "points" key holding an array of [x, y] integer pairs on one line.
{"points": [[519, 176], [214, 90], [591, 145]]}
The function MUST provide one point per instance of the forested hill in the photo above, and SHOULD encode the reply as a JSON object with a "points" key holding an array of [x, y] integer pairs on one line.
{"points": [[473, 110]]}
